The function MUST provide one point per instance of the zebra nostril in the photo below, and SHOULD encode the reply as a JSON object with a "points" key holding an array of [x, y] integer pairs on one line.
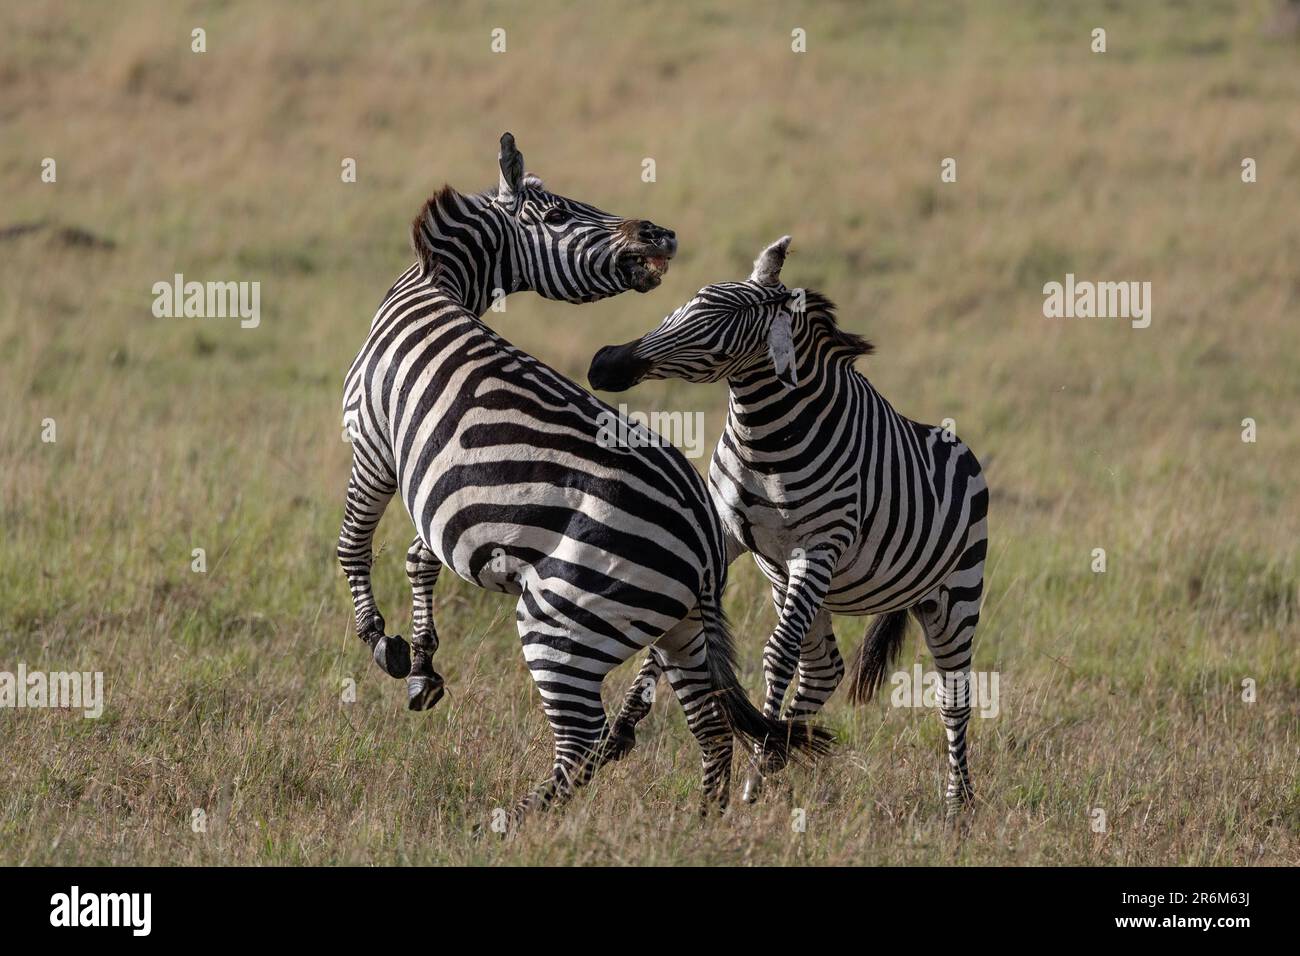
{"points": [[658, 236], [650, 233]]}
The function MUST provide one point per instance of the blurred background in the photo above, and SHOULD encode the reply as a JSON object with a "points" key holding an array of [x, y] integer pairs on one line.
{"points": [[1121, 690]]}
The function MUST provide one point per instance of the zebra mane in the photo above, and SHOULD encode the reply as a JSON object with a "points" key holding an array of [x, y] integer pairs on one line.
{"points": [[825, 325], [422, 237]]}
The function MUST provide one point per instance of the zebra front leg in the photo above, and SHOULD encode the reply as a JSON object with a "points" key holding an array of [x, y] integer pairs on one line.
{"points": [[800, 610], [821, 668], [799, 604], [949, 615], [369, 492], [424, 685], [638, 700]]}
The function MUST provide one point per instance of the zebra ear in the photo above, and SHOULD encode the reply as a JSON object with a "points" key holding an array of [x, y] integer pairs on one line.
{"points": [[767, 267], [511, 162], [780, 345]]}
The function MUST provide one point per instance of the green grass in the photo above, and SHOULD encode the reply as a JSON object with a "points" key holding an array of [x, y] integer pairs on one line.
{"points": [[1120, 691]]}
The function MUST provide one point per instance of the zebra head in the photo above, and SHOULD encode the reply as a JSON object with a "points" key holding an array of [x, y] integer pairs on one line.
{"points": [[726, 330], [521, 236]]}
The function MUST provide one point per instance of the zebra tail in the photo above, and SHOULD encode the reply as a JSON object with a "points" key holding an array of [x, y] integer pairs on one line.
{"points": [[876, 654], [781, 738]]}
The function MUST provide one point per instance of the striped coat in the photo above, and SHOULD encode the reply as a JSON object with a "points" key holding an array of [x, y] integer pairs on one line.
{"points": [[847, 506]]}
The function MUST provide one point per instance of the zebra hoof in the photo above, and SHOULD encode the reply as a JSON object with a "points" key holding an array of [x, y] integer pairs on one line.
{"points": [[393, 655], [424, 691]]}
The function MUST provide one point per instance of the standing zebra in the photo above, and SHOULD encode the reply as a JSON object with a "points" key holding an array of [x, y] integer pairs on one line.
{"points": [[848, 507], [503, 466]]}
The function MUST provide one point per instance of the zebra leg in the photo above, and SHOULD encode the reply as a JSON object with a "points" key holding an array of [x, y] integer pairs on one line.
{"points": [[949, 615], [640, 697], [570, 687], [683, 657], [820, 670], [424, 686], [638, 700], [753, 788], [369, 491], [799, 605]]}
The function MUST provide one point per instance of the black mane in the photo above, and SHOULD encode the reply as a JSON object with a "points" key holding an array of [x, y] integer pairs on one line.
{"points": [[821, 316]]}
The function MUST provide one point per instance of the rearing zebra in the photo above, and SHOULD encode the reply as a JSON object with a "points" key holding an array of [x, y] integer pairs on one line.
{"points": [[502, 464], [848, 507], [476, 249]]}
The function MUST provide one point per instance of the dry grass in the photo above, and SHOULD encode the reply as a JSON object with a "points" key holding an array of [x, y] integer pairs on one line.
{"points": [[1119, 691]]}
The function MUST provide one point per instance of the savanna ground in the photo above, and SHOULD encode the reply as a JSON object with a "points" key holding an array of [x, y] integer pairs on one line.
{"points": [[1119, 690]]}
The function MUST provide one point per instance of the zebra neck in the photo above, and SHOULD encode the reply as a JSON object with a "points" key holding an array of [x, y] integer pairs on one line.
{"points": [[467, 291], [766, 415], [466, 246]]}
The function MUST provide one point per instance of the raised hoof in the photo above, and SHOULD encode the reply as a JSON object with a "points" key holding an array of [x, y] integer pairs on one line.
{"points": [[423, 692], [393, 655], [753, 788]]}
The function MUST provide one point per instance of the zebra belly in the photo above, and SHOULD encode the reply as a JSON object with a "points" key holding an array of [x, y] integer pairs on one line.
{"points": [[566, 548], [861, 590], [870, 580]]}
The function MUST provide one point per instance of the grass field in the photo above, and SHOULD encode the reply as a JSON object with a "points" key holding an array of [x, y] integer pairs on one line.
{"points": [[1120, 691]]}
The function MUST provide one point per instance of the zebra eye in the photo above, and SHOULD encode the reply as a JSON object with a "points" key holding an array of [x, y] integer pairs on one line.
{"points": [[555, 215]]}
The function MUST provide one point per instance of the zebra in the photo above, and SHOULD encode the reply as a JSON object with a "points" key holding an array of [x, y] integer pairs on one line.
{"points": [[847, 506], [482, 247], [504, 467]]}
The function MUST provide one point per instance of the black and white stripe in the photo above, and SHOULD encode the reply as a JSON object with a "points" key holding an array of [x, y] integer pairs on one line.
{"points": [[847, 506], [501, 463]]}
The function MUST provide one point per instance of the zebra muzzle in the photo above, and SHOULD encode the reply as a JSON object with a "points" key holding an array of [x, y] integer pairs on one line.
{"points": [[616, 368], [643, 266]]}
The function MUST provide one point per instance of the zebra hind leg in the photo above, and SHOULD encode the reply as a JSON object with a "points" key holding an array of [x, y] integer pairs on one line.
{"points": [[570, 686], [682, 655], [424, 685], [949, 615], [367, 497], [638, 700]]}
